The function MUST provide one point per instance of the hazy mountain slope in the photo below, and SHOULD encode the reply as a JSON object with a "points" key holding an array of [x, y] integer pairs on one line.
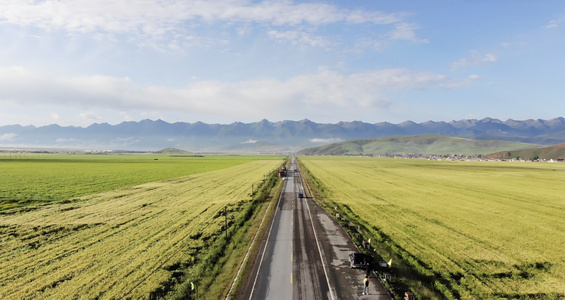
{"points": [[414, 144], [555, 152]]}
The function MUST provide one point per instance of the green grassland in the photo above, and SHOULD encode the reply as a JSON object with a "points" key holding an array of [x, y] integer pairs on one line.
{"points": [[420, 144], [455, 230], [140, 241], [32, 179]]}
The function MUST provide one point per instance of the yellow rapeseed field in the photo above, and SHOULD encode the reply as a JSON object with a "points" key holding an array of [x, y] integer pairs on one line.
{"points": [[491, 230], [116, 244]]}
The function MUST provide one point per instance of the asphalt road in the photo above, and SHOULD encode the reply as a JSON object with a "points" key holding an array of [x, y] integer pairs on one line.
{"points": [[305, 254]]}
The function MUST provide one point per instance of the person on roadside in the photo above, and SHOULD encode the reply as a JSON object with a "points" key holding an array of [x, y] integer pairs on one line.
{"points": [[366, 286], [368, 267]]}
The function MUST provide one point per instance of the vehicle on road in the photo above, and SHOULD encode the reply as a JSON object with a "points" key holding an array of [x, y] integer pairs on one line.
{"points": [[358, 260], [282, 172]]}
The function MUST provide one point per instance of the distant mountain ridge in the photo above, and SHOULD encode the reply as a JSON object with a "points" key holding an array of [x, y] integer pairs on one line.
{"points": [[266, 136]]}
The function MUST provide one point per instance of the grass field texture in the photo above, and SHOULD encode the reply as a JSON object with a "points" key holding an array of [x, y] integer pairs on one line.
{"points": [[474, 230], [125, 243], [34, 178]]}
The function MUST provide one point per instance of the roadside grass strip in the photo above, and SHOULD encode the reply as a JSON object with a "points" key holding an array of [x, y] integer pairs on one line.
{"points": [[121, 243], [473, 230]]}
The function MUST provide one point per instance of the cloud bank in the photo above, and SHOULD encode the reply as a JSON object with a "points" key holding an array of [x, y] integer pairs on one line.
{"points": [[158, 17], [325, 90]]}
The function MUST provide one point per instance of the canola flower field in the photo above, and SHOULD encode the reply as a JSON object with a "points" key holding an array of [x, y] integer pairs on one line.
{"points": [[123, 243], [471, 230]]}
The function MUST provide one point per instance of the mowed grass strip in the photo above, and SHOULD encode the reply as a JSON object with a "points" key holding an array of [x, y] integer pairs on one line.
{"points": [[116, 244], [490, 229]]}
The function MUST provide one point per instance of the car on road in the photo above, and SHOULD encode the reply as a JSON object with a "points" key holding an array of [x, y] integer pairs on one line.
{"points": [[358, 260]]}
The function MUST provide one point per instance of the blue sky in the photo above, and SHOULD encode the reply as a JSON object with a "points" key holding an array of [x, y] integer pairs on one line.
{"points": [[74, 62]]}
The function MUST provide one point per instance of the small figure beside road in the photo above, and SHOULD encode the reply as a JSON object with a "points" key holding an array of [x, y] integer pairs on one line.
{"points": [[366, 286], [368, 269]]}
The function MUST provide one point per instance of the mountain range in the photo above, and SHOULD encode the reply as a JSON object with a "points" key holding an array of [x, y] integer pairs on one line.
{"points": [[266, 136]]}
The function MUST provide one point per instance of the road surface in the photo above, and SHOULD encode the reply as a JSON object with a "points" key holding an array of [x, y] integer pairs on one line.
{"points": [[305, 254]]}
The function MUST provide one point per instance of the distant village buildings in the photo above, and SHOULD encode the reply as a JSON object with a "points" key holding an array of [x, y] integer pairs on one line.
{"points": [[460, 157]]}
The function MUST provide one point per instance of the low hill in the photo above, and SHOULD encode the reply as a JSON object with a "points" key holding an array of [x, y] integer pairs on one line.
{"points": [[555, 152], [171, 151], [417, 144]]}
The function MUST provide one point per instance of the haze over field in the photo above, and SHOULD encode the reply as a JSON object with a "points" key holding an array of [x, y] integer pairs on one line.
{"points": [[76, 63]]}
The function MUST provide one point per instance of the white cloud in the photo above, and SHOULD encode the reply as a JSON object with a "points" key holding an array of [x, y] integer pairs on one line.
{"points": [[250, 142], [405, 31], [402, 31], [56, 117], [326, 141], [126, 116], [7, 137], [474, 76], [554, 23], [175, 25], [375, 44], [90, 115], [299, 37], [324, 90], [362, 16], [152, 114], [489, 57], [158, 17], [476, 59]]}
